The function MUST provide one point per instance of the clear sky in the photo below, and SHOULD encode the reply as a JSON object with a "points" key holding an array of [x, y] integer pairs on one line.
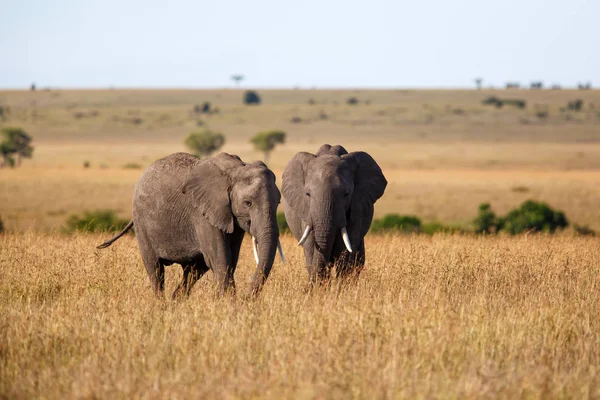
{"points": [[310, 43]]}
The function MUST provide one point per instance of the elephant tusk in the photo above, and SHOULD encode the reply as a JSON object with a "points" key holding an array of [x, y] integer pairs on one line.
{"points": [[304, 236], [280, 251], [346, 239], [255, 248]]}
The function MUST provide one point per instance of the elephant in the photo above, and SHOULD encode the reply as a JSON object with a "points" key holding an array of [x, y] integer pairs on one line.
{"points": [[329, 200], [195, 213]]}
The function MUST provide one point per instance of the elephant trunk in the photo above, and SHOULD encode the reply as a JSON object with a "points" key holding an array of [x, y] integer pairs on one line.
{"points": [[324, 235], [327, 225], [267, 239]]}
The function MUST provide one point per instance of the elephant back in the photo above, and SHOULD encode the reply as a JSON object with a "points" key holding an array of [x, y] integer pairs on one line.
{"points": [[162, 181]]}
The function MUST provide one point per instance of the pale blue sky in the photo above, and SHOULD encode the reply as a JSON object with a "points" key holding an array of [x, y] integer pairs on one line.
{"points": [[278, 43]]}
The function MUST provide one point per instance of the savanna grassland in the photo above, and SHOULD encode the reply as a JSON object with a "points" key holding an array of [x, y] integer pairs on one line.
{"points": [[448, 316], [443, 316], [443, 152]]}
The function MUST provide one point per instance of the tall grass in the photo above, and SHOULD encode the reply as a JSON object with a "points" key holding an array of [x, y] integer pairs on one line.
{"points": [[442, 316]]}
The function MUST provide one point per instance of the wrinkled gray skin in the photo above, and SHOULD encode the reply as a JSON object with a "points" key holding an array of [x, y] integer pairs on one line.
{"points": [[329, 191], [195, 213]]}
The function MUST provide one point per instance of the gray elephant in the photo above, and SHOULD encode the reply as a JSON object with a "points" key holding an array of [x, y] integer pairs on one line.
{"points": [[329, 207], [195, 212]]}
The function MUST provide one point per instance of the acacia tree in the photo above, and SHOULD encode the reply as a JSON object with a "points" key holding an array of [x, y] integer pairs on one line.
{"points": [[266, 141], [237, 78], [204, 143], [16, 142]]}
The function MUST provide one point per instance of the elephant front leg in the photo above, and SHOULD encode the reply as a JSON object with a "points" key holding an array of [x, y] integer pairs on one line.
{"points": [[221, 263], [225, 281]]}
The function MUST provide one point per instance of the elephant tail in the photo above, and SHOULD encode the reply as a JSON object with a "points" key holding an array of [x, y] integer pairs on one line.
{"points": [[109, 242]]}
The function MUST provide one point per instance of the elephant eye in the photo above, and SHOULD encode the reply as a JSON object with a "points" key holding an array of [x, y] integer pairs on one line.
{"points": [[248, 203], [347, 193], [308, 194]]}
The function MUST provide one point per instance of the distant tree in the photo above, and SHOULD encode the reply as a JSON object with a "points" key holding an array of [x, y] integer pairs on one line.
{"points": [[478, 83], [486, 221], [32, 87], [7, 150], [266, 141], [2, 226], [204, 143], [584, 86], [237, 78], [352, 101], [17, 142], [204, 108], [251, 97], [537, 85]]}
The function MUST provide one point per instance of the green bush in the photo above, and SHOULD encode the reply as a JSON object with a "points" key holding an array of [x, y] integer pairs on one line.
{"points": [[132, 165], [352, 101], [495, 101], [492, 101], [430, 228], [486, 221], [584, 230], [534, 216], [282, 223], [251, 97], [95, 221], [575, 105], [515, 102], [397, 223]]}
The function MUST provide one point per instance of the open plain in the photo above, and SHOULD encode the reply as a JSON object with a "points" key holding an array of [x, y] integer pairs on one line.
{"points": [[448, 316]]}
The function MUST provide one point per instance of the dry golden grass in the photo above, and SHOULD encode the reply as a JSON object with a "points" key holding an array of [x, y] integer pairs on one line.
{"points": [[42, 198], [441, 317]]}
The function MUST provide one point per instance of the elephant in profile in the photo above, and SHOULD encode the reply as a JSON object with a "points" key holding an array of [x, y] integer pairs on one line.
{"points": [[195, 212], [329, 207]]}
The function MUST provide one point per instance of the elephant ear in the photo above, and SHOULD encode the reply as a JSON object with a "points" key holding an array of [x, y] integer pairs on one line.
{"points": [[209, 185], [336, 150], [293, 181], [369, 185]]}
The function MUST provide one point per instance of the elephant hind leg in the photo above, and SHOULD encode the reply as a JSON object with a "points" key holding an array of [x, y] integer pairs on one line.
{"points": [[154, 267], [156, 273], [192, 272]]}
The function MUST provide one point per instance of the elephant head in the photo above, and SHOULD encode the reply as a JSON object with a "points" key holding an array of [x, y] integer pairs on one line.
{"points": [[333, 193], [230, 193]]}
